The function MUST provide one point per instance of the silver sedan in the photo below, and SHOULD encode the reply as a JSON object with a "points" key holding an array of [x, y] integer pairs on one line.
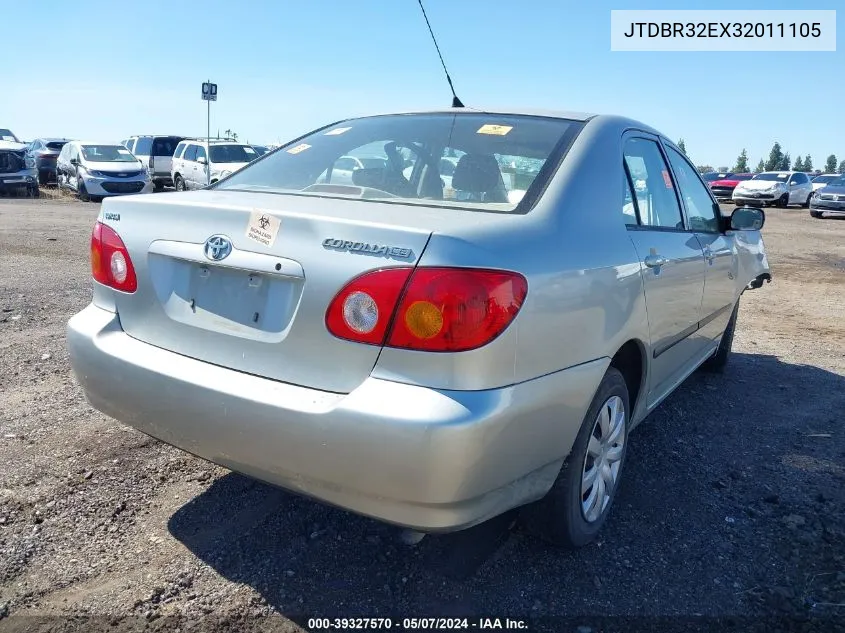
{"points": [[428, 355]]}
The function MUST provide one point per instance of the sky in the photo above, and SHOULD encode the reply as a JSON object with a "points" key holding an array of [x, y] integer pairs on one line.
{"points": [[99, 70]]}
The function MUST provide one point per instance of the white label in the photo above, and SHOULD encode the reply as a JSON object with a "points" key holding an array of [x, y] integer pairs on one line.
{"points": [[249, 150], [125, 152], [299, 148], [723, 30], [337, 131], [263, 227]]}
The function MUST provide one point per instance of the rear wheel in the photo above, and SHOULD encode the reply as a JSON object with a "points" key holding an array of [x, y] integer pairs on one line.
{"points": [[81, 191], [783, 201], [179, 183], [717, 362], [574, 510]]}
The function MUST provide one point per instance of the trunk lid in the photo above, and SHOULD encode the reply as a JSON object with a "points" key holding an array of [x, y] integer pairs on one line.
{"points": [[260, 309]]}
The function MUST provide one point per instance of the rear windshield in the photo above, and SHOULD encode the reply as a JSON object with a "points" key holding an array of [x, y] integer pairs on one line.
{"points": [[107, 154], [143, 146], [165, 146], [474, 161], [56, 144], [824, 179], [232, 153]]}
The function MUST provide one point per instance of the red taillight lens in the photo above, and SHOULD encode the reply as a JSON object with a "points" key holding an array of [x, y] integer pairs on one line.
{"points": [[441, 309], [110, 262], [361, 311], [456, 309]]}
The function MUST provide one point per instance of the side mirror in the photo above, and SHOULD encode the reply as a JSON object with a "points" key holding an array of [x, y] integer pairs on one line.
{"points": [[201, 160], [747, 219]]}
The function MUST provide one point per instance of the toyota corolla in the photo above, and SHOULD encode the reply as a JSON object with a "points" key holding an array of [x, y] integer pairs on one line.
{"points": [[430, 356]]}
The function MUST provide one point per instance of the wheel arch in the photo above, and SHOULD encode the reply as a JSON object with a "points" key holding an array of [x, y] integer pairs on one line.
{"points": [[630, 360]]}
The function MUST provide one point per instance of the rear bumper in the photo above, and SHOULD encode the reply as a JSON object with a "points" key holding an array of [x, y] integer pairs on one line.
{"points": [[432, 460]]}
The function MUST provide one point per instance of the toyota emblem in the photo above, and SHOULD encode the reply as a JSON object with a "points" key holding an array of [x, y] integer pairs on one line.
{"points": [[217, 247]]}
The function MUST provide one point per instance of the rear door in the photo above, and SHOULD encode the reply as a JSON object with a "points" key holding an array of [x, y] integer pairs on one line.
{"points": [[162, 151], [671, 259], [188, 165], [200, 171], [261, 309]]}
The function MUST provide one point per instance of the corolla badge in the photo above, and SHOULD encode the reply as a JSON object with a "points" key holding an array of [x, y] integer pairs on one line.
{"points": [[217, 247]]}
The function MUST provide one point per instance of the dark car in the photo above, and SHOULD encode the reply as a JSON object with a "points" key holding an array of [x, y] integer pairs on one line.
{"points": [[43, 153], [829, 200], [710, 176]]}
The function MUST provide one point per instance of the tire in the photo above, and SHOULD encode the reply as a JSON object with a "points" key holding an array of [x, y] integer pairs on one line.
{"points": [[806, 204], [815, 214], [559, 518], [81, 191], [719, 360], [179, 183], [783, 201]]}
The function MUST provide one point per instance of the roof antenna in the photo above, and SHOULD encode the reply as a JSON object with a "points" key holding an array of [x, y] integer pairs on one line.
{"points": [[456, 103]]}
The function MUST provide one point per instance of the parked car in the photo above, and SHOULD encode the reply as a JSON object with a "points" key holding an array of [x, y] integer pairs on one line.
{"points": [[723, 188], [197, 163], [428, 362], [774, 188], [9, 137], [97, 170], [17, 173], [710, 176], [156, 153], [43, 152], [823, 180], [830, 199]]}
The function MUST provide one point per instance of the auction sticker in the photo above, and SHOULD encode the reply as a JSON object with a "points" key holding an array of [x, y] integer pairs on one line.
{"points": [[496, 130], [263, 227], [299, 148]]}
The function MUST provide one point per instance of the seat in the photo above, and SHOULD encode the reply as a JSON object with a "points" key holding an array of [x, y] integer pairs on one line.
{"points": [[479, 176]]}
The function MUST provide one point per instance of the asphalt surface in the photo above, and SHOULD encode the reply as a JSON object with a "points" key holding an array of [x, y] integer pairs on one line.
{"points": [[731, 510]]}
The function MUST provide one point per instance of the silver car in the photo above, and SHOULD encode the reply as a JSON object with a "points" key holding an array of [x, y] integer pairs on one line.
{"points": [[425, 356]]}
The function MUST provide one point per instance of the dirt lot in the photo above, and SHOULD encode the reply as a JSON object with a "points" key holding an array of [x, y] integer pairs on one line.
{"points": [[732, 506]]}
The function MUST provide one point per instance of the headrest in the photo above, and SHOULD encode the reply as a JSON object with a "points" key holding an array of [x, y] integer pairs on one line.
{"points": [[478, 173]]}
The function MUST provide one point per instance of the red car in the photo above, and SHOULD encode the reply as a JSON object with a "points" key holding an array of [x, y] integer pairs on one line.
{"points": [[723, 189]]}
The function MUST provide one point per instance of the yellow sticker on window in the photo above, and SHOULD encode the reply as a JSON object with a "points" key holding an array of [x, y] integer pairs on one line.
{"points": [[497, 130], [299, 148]]}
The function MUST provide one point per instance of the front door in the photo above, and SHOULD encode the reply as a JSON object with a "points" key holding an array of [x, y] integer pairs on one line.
{"points": [[721, 261], [672, 264]]}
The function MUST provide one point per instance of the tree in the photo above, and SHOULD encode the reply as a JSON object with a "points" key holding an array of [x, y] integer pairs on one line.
{"points": [[830, 166], [808, 163], [799, 164], [785, 163], [682, 146], [723, 169], [742, 162], [841, 169], [761, 167], [704, 169], [775, 158]]}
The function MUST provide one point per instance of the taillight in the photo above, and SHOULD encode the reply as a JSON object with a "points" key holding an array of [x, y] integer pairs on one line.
{"points": [[440, 310], [110, 262]]}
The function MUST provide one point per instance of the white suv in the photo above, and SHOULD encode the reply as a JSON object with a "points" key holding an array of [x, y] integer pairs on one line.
{"points": [[774, 188], [197, 163]]}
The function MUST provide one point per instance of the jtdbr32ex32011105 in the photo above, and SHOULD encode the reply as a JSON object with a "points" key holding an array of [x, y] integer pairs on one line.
{"points": [[431, 350]]}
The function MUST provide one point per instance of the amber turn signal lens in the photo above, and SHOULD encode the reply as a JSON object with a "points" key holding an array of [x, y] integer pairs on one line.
{"points": [[424, 319]]}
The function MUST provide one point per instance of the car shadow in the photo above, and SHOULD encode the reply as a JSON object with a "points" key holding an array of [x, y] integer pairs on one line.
{"points": [[696, 468]]}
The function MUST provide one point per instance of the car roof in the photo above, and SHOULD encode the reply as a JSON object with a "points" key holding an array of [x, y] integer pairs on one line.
{"points": [[554, 114], [157, 136]]}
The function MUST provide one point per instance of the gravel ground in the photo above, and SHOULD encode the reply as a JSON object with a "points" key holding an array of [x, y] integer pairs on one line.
{"points": [[732, 508]]}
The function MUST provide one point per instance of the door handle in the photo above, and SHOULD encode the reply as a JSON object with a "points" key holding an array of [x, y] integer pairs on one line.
{"points": [[655, 261], [708, 255]]}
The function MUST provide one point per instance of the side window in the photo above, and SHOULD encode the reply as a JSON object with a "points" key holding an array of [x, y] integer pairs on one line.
{"points": [[190, 152], [655, 194], [179, 149], [200, 152], [801, 179], [700, 206], [130, 144], [629, 210]]}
